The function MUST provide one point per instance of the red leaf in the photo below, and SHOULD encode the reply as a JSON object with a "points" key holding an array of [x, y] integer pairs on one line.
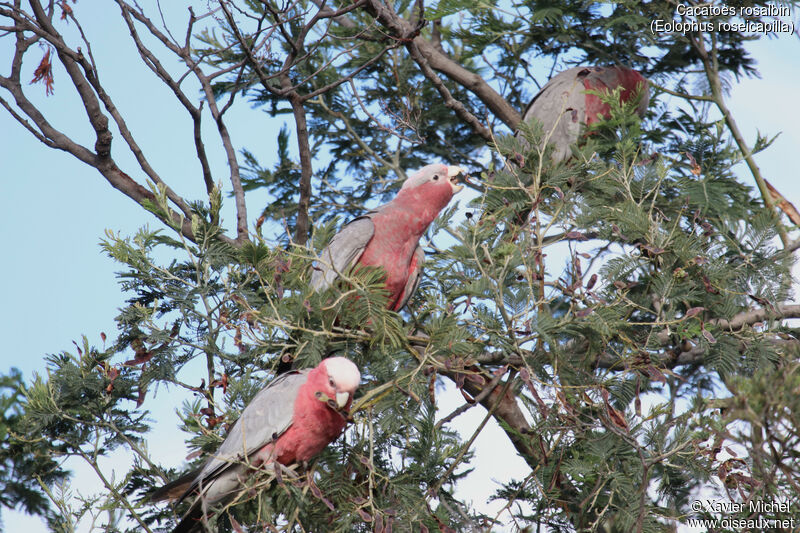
{"points": [[709, 337], [221, 382], [655, 374], [103, 336], [140, 399], [112, 373], [784, 204], [140, 353], [237, 340], [318, 494], [194, 455], [576, 236], [694, 311], [365, 516], [237, 527], [651, 250], [693, 163], [617, 417], [139, 359], [44, 73], [201, 387], [475, 378], [709, 287]]}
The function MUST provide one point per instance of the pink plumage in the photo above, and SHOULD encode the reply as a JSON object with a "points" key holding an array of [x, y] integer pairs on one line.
{"points": [[565, 104], [389, 236], [289, 421], [314, 424]]}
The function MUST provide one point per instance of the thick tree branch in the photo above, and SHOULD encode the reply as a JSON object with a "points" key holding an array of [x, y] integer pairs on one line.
{"points": [[449, 101], [687, 353], [439, 61], [85, 83], [295, 98], [482, 386], [302, 224]]}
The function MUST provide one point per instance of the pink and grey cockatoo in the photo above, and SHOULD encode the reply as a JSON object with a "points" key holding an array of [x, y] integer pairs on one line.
{"points": [[563, 105], [388, 236], [289, 421]]}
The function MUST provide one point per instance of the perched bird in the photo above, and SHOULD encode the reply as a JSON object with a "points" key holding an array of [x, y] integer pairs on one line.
{"points": [[563, 105], [389, 236], [289, 421]]}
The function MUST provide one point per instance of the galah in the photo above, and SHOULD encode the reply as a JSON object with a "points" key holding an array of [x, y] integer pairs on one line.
{"points": [[389, 236], [563, 105], [289, 421]]}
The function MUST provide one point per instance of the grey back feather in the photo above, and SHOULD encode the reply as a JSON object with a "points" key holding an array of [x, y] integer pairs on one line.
{"points": [[343, 251], [268, 415], [560, 107]]}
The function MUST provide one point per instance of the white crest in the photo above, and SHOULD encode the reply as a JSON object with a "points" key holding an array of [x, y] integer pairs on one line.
{"points": [[343, 372]]}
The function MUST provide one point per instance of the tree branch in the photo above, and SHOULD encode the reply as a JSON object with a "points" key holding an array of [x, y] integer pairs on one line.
{"points": [[74, 63], [712, 74], [205, 83], [155, 65], [449, 101], [439, 61]]}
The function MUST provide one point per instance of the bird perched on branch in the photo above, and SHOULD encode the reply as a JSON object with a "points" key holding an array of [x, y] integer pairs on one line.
{"points": [[567, 102], [388, 236], [289, 421]]}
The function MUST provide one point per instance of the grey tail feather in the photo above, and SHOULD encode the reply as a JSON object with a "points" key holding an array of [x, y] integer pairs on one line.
{"points": [[176, 489], [192, 521]]}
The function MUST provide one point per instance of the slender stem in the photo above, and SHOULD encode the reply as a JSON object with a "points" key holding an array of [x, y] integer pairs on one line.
{"points": [[711, 66]]}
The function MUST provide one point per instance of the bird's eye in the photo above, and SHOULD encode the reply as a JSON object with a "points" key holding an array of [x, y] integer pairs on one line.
{"points": [[435, 177], [330, 380]]}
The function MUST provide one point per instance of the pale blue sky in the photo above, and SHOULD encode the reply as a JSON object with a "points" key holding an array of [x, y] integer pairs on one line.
{"points": [[54, 210]]}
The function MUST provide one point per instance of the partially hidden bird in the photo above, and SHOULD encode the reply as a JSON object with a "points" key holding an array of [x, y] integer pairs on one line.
{"points": [[389, 235], [288, 422], [569, 100]]}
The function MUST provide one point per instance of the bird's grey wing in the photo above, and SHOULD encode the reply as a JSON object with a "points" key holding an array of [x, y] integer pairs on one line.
{"points": [[343, 251], [414, 277], [561, 108], [267, 416]]}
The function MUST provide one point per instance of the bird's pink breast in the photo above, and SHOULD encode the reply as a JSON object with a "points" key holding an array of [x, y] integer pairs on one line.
{"points": [[392, 247], [398, 228], [314, 424]]}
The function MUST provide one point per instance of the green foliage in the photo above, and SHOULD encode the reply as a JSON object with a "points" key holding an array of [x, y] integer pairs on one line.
{"points": [[27, 464], [597, 308]]}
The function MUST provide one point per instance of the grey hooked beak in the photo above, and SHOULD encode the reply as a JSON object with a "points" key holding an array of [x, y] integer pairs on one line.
{"points": [[342, 398], [453, 173]]}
